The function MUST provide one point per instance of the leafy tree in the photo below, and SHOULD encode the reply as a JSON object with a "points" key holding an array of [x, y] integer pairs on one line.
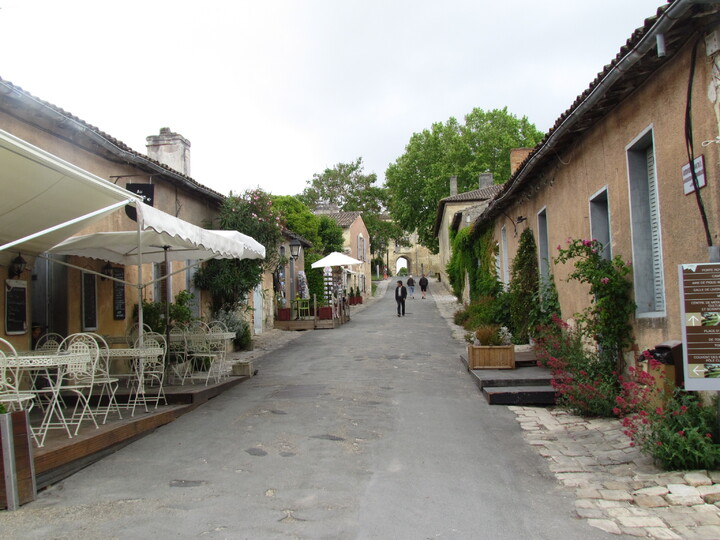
{"points": [[524, 286], [345, 185], [229, 281], [418, 179], [299, 218], [330, 235]]}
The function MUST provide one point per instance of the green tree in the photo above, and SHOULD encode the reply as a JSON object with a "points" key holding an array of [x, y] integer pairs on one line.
{"points": [[330, 235], [229, 281], [299, 218], [345, 185], [524, 286], [419, 178]]}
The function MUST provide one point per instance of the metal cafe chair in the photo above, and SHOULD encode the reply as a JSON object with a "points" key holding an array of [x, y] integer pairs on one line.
{"points": [[11, 397]]}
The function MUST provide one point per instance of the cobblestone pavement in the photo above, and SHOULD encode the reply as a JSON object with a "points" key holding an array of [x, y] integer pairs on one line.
{"points": [[617, 488]]}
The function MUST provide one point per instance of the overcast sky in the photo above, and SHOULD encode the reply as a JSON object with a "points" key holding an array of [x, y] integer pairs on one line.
{"points": [[271, 92]]}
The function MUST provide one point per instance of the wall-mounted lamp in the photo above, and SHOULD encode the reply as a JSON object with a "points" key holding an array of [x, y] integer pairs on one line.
{"points": [[295, 248], [107, 270], [17, 267]]}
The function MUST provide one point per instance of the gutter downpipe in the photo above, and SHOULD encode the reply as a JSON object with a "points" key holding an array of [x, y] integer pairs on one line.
{"points": [[646, 43]]}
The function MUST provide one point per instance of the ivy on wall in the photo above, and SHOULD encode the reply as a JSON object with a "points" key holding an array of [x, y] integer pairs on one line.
{"points": [[524, 286]]}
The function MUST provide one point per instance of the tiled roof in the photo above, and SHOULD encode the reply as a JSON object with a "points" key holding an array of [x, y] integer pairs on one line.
{"points": [[677, 21], [344, 219], [482, 194], [23, 105]]}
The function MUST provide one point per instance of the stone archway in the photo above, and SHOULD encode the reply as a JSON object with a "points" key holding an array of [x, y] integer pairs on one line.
{"points": [[400, 263]]}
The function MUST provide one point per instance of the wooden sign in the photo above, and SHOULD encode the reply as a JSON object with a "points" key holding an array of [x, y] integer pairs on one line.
{"points": [[700, 308]]}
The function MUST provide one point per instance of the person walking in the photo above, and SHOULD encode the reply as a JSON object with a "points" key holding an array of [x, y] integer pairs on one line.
{"points": [[400, 296], [423, 285], [411, 287]]}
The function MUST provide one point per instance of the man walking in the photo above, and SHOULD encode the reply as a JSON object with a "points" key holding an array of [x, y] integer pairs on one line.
{"points": [[411, 287], [400, 296], [423, 285]]}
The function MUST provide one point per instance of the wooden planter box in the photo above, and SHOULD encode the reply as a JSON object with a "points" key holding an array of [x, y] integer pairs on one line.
{"points": [[17, 478], [488, 357], [325, 312], [242, 369], [284, 314]]}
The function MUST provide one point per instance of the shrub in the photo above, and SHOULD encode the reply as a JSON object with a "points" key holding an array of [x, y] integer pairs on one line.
{"points": [[237, 324], [492, 335], [679, 436], [524, 286], [585, 381]]}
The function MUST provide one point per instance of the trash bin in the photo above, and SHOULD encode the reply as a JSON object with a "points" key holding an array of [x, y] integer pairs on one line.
{"points": [[670, 353]]}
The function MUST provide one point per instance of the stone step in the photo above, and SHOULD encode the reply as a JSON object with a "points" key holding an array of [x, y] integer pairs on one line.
{"points": [[519, 395], [517, 380]]}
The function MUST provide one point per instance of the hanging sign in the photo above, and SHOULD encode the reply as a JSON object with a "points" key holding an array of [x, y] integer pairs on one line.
{"points": [[700, 309], [15, 306], [699, 165]]}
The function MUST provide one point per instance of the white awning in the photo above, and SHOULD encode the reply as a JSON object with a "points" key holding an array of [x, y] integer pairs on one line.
{"points": [[163, 237], [45, 199], [335, 259]]}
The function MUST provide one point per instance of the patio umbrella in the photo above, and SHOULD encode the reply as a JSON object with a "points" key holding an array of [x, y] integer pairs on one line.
{"points": [[335, 259], [160, 238]]}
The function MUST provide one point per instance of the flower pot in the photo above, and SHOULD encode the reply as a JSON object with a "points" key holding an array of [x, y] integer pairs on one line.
{"points": [[491, 357], [17, 468], [325, 312], [358, 299], [242, 369], [284, 314]]}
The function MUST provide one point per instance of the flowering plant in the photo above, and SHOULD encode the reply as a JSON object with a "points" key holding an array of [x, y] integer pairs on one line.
{"points": [[607, 319], [491, 335], [679, 436]]}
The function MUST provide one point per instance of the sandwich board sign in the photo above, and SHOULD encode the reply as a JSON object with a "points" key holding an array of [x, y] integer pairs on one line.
{"points": [[700, 311]]}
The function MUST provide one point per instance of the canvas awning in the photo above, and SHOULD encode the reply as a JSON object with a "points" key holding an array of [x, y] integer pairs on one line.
{"points": [[335, 259], [161, 238], [45, 199]]}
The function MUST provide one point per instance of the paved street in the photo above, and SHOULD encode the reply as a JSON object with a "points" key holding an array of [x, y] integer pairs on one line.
{"points": [[373, 430]]}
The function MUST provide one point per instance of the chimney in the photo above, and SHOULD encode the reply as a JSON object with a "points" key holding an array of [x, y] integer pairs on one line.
{"points": [[453, 185], [171, 149], [517, 156], [485, 180]]}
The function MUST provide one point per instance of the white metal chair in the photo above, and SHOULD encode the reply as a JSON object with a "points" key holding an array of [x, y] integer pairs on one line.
{"points": [[78, 378], [108, 384], [11, 397], [75, 376], [150, 372], [49, 342], [177, 355], [202, 354]]}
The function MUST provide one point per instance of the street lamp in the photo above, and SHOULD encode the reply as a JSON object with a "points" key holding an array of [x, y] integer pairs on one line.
{"points": [[295, 248]]}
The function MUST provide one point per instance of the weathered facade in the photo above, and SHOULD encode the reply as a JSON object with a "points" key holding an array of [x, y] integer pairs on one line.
{"points": [[356, 243], [458, 211], [612, 169], [56, 291]]}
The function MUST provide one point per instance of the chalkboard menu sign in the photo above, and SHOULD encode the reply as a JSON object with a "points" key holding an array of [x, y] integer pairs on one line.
{"points": [[89, 302], [15, 306], [118, 294]]}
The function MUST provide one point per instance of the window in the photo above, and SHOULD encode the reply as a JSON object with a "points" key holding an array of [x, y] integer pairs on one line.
{"points": [[504, 255], [190, 286], [361, 247], [89, 301], [543, 245], [600, 221], [645, 222], [161, 287]]}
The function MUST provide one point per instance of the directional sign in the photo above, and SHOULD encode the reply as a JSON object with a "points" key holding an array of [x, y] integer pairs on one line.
{"points": [[700, 305]]}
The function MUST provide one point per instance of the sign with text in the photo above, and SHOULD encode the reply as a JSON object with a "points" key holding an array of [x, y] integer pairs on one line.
{"points": [[700, 308], [699, 166]]}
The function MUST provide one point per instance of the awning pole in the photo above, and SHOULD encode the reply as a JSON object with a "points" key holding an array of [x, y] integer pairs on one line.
{"points": [[141, 338]]}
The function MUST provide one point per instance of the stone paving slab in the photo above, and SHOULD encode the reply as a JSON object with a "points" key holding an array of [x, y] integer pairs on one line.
{"points": [[618, 489]]}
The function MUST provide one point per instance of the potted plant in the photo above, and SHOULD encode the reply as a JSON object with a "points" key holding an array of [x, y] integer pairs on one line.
{"points": [[283, 313], [490, 347], [351, 297], [16, 442], [324, 312]]}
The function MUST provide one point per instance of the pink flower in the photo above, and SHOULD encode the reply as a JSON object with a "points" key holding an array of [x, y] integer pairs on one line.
{"points": [[605, 281], [681, 433]]}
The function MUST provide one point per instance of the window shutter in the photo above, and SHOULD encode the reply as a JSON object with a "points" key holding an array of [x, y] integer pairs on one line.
{"points": [[658, 286]]}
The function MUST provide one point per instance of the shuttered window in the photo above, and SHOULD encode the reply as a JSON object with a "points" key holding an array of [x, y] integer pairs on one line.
{"points": [[649, 281], [544, 246], [504, 255]]}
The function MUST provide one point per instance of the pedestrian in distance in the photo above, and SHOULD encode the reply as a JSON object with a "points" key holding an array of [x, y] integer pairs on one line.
{"points": [[400, 296], [423, 285], [411, 287]]}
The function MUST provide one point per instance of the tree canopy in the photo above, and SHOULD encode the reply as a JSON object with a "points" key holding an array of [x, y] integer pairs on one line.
{"points": [[350, 189], [419, 179]]}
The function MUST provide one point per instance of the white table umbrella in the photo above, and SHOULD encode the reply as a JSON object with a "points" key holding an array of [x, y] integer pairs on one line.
{"points": [[335, 259]]}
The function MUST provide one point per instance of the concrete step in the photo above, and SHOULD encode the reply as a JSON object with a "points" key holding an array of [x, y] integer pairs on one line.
{"points": [[517, 380], [519, 395]]}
